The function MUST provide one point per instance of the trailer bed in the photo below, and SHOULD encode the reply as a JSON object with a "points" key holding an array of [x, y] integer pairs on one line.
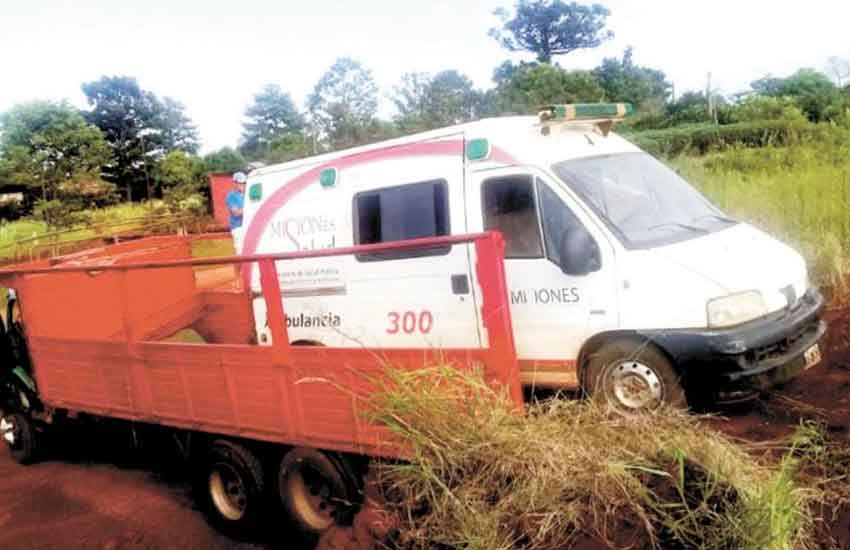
{"points": [[98, 325]]}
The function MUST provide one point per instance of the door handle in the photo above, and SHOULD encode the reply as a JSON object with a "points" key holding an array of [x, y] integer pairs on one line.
{"points": [[460, 284]]}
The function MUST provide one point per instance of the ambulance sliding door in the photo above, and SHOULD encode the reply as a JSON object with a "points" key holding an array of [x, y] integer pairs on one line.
{"points": [[421, 298]]}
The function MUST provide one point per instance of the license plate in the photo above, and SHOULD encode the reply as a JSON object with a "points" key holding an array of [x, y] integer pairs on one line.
{"points": [[812, 356]]}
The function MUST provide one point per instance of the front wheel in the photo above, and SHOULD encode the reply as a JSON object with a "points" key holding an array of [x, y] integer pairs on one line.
{"points": [[633, 376], [20, 435]]}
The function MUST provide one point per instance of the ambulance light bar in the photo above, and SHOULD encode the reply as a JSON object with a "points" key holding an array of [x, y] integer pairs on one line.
{"points": [[585, 112]]}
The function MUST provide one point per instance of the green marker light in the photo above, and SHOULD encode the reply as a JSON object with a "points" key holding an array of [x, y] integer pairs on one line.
{"points": [[255, 193], [328, 177], [477, 149]]}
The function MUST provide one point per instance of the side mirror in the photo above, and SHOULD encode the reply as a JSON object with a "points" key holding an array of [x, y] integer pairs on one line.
{"points": [[579, 252]]}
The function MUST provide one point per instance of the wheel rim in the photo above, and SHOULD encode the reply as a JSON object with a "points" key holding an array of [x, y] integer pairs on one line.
{"points": [[227, 489], [632, 385], [311, 497], [9, 431]]}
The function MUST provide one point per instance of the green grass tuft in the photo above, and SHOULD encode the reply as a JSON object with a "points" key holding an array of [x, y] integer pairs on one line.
{"points": [[483, 477]]}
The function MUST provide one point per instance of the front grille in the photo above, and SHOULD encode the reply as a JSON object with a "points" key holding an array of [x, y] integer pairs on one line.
{"points": [[781, 347]]}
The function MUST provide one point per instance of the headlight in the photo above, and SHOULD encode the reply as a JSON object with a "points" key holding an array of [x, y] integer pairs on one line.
{"points": [[736, 309]]}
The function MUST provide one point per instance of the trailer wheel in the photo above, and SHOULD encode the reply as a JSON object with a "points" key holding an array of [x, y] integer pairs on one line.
{"points": [[19, 433], [632, 376], [233, 487], [316, 493]]}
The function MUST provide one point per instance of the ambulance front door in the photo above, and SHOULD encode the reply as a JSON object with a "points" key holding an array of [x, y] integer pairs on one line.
{"points": [[553, 312]]}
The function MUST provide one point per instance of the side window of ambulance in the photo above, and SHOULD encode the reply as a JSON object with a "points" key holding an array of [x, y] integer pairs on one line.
{"points": [[509, 207], [400, 213], [558, 220]]}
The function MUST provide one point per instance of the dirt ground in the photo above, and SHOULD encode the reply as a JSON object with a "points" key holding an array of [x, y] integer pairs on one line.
{"points": [[99, 506], [82, 501]]}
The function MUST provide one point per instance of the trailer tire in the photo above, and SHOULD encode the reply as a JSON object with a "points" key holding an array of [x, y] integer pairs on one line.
{"points": [[631, 376], [233, 487], [316, 490], [20, 435]]}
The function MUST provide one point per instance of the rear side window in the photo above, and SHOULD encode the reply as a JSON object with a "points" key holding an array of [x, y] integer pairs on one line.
{"points": [[400, 213], [510, 208]]}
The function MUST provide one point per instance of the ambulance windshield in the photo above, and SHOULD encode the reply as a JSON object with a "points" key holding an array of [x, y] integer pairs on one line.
{"points": [[643, 202]]}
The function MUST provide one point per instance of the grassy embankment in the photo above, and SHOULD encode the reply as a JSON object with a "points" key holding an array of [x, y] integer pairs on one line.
{"points": [[29, 238], [571, 474], [800, 194]]}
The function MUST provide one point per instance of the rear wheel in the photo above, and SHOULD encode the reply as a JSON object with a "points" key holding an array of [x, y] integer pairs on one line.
{"points": [[20, 435], [234, 485], [315, 490], [632, 376]]}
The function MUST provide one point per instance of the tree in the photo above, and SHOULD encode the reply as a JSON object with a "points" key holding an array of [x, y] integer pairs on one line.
{"points": [[139, 128], [288, 147], [534, 86], [552, 27], [44, 145], [818, 97], [271, 115], [181, 177], [225, 159], [176, 128], [622, 80], [343, 104], [424, 102], [126, 115], [689, 108], [410, 99]]}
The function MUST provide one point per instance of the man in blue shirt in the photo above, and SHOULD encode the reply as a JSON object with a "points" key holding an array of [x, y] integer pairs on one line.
{"points": [[235, 200]]}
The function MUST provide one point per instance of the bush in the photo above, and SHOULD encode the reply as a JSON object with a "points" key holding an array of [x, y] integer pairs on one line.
{"points": [[758, 108], [704, 138], [59, 214]]}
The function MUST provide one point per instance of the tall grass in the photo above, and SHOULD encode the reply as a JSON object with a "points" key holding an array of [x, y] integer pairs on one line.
{"points": [[799, 193], [481, 476]]}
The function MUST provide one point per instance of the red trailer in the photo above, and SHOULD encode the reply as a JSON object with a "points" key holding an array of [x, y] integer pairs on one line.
{"points": [[221, 183], [92, 333]]}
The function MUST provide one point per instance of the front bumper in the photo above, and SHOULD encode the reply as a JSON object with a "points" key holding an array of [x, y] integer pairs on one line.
{"points": [[749, 357]]}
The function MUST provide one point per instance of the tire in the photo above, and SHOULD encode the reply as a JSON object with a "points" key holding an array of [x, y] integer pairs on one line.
{"points": [[20, 436], [631, 376], [316, 491], [233, 488]]}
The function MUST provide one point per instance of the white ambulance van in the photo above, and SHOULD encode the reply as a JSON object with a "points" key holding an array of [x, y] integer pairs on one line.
{"points": [[624, 280]]}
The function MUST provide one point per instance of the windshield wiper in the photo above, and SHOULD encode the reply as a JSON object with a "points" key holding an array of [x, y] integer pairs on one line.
{"points": [[716, 217], [695, 229]]}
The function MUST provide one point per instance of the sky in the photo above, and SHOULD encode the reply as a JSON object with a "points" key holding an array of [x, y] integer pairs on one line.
{"points": [[214, 56]]}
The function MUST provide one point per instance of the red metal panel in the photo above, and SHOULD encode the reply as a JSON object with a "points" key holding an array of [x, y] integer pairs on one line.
{"points": [[221, 184], [227, 317], [275, 317], [76, 373], [293, 395], [86, 299]]}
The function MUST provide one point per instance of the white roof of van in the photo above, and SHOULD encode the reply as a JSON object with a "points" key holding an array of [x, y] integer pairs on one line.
{"points": [[520, 136]]}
